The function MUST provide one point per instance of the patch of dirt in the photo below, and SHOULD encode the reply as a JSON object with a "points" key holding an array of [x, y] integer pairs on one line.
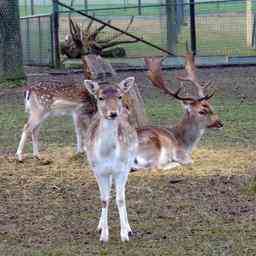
{"points": [[55, 207], [230, 81]]}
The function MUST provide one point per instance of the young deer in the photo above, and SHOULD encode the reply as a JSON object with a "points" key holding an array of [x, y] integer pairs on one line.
{"points": [[165, 148], [53, 98], [111, 146]]}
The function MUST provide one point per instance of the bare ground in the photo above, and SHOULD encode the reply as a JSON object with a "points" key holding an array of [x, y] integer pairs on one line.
{"points": [[51, 206]]}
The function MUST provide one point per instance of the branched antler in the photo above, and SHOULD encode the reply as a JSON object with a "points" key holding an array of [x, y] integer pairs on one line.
{"points": [[155, 74], [191, 74], [85, 39], [117, 35], [93, 35]]}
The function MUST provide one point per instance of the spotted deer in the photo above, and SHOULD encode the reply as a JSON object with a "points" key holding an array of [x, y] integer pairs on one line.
{"points": [[165, 148], [111, 146], [52, 98]]}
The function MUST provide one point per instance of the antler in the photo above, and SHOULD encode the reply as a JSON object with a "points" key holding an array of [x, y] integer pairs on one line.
{"points": [[191, 74], [90, 24], [117, 35], [75, 32], [155, 75], [94, 34]]}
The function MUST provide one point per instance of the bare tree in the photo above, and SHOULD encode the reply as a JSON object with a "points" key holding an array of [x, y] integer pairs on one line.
{"points": [[11, 63]]}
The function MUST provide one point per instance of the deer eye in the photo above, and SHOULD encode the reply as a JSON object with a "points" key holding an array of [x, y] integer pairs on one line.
{"points": [[203, 112], [101, 98]]}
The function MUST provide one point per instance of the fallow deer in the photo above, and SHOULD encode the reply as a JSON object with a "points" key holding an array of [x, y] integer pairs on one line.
{"points": [[111, 145], [165, 148], [46, 99]]}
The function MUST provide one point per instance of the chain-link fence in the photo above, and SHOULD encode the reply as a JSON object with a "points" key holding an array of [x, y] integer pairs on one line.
{"points": [[33, 7], [37, 40], [225, 28]]}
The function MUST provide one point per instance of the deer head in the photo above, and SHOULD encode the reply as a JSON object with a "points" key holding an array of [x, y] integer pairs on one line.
{"points": [[109, 98], [197, 109]]}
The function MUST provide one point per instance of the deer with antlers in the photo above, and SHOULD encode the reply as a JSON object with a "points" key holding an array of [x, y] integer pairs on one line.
{"points": [[165, 148], [111, 145], [93, 42]]}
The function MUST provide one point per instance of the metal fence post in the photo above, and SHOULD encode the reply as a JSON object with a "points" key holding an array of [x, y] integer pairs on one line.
{"points": [[85, 4], [32, 7], [192, 26], [56, 32], [139, 7]]}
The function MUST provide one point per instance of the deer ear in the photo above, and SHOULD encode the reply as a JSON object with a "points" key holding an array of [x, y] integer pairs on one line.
{"points": [[91, 86], [126, 84]]}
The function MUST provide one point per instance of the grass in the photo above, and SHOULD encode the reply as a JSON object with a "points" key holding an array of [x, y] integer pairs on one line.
{"points": [[51, 208], [223, 34], [120, 10], [12, 83]]}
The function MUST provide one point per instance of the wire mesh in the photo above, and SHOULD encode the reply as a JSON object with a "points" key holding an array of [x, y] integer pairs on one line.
{"points": [[224, 28], [36, 34], [146, 25]]}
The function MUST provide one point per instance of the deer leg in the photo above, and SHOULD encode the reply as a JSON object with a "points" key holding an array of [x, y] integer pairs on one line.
{"points": [[32, 126], [35, 135], [22, 141], [182, 157], [78, 130], [120, 182], [104, 183]]}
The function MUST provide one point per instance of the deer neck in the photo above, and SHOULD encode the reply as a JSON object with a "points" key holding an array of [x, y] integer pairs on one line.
{"points": [[188, 132], [109, 127], [108, 132]]}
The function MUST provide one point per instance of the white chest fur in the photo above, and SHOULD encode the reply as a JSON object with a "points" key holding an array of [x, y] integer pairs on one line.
{"points": [[107, 155], [107, 144]]}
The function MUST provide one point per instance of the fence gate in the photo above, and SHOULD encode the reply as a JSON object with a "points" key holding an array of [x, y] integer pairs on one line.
{"points": [[37, 41]]}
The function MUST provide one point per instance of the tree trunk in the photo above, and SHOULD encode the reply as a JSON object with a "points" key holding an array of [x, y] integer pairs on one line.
{"points": [[11, 63]]}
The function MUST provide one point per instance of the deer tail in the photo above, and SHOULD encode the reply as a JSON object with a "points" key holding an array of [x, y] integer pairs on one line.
{"points": [[27, 94]]}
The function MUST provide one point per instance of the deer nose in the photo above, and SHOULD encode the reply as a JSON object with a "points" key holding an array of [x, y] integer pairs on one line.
{"points": [[113, 115], [221, 124]]}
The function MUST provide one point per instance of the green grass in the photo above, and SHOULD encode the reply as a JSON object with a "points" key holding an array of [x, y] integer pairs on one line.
{"points": [[201, 8], [12, 83]]}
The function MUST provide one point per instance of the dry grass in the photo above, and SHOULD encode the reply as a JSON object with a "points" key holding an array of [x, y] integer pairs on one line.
{"points": [[52, 207]]}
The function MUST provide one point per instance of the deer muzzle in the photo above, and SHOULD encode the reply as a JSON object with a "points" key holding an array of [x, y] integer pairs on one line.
{"points": [[216, 124]]}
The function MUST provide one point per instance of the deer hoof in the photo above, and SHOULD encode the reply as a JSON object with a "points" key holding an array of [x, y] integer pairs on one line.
{"points": [[125, 237], [104, 236], [19, 158]]}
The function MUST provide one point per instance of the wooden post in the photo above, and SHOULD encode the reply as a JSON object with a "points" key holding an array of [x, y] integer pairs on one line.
{"points": [[85, 4], [193, 26], [25, 8], [249, 23], [32, 7], [171, 24], [139, 7], [56, 32]]}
